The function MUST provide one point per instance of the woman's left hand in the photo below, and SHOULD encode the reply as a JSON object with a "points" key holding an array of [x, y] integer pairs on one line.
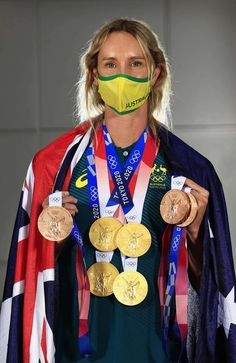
{"points": [[201, 196], [195, 245]]}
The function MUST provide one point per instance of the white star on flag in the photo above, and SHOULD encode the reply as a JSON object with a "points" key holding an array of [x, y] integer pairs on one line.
{"points": [[227, 311]]}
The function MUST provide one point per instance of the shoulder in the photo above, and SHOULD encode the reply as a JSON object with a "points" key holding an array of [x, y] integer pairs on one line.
{"points": [[47, 162], [54, 152], [179, 153]]}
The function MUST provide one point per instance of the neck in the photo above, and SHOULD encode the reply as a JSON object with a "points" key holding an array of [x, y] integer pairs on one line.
{"points": [[125, 129]]}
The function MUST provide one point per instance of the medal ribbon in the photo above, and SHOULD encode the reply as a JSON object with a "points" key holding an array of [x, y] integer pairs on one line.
{"points": [[114, 200], [127, 173], [176, 280], [101, 256], [123, 183], [124, 175], [55, 199], [121, 176], [121, 193], [85, 346]]}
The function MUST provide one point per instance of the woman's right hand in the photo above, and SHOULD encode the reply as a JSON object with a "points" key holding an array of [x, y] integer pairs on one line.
{"points": [[68, 202]]}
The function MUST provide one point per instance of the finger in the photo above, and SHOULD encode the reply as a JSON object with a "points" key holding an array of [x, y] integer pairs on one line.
{"points": [[202, 199], [72, 212], [190, 183], [45, 203], [69, 199], [70, 207]]}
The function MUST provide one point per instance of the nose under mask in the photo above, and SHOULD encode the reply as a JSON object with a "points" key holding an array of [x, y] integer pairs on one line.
{"points": [[123, 93]]}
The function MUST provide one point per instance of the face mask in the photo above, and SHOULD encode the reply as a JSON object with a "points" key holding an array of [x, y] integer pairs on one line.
{"points": [[123, 93]]}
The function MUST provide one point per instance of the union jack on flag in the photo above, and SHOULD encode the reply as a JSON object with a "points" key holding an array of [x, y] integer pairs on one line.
{"points": [[27, 311], [16, 306]]}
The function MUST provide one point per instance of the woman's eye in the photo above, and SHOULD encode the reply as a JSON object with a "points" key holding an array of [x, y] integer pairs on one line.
{"points": [[110, 65], [136, 64]]}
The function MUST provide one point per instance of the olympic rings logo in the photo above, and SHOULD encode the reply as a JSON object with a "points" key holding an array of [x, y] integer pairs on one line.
{"points": [[93, 193], [101, 255], [158, 178], [78, 238], [177, 182], [55, 199], [131, 218], [131, 263], [135, 157], [176, 242], [112, 161]]}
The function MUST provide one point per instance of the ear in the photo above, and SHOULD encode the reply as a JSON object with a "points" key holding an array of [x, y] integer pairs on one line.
{"points": [[156, 74], [95, 77]]}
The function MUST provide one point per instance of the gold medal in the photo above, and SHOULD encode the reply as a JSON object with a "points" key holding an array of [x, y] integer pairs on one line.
{"points": [[133, 239], [101, 277], [55, 223], [193, 211], [130, 288], [102, 233], [175, 206]]}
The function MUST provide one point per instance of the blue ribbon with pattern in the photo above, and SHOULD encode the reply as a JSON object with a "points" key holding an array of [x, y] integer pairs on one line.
{"points": [[169, 293], [122, 176], [114, 165]]}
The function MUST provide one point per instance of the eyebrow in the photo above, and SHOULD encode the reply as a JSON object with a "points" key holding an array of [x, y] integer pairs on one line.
{"points": [[131, 58]]}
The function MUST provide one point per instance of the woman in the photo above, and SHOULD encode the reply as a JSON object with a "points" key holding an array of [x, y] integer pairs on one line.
{"points": [[120, 165]]}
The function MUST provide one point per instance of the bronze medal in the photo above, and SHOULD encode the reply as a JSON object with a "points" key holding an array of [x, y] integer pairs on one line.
{"points": [[175, 206], [130, 288], [101, 277], [193, 211], [133, 239], [102, 233], [55, 223]]}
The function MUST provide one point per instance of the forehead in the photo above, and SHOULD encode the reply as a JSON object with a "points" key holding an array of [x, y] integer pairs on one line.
{"points": [[120, 43]]}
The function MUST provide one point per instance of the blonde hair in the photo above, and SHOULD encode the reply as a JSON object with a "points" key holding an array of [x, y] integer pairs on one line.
{"points": [[88, 101]]}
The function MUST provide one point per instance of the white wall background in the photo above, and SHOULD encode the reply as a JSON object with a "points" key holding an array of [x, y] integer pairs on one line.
{"points": [[40, 43]]}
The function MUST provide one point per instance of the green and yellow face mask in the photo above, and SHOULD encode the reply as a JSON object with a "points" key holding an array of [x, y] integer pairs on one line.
{"points": [[123, 93]]}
